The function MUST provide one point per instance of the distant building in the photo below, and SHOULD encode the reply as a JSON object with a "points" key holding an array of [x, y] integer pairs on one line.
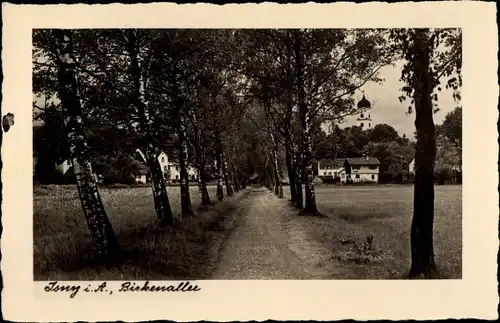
{"points": [[175, 173], [142, 175], [350, 169], [411, 167], [65, 167], [364, 120], [331, 168], [171, 169]]}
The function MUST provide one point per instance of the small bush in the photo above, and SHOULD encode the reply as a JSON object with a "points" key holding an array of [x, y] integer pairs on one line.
{"points": [[118, 179]]}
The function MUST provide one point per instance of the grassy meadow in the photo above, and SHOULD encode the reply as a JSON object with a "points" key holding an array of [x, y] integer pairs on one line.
{"points": [[385, 212], [63, 246]]}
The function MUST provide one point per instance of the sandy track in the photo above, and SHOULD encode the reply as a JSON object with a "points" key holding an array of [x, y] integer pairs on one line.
{"points": [[268, 243]]}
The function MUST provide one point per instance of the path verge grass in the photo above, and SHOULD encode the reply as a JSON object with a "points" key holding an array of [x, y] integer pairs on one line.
{"points": [[63, 248], [366, 230]]}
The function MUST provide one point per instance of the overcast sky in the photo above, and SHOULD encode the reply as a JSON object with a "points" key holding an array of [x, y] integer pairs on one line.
{"points": [[386, 107]]}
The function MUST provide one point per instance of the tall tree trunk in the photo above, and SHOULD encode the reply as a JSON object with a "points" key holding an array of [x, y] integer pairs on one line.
{"points": [[159, 187], [298, 183], [202, 187], [290, 152], [200, 161], [186, 206], [422, 252], [271, 174], [289, 155], [160, 196], [229, 189], [235, 179], [220, 171], [306, 122], [93, 208], [279, 183]]}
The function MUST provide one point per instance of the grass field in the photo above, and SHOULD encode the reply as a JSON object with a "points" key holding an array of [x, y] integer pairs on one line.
{"points": [[384, 211], [63, 246]]}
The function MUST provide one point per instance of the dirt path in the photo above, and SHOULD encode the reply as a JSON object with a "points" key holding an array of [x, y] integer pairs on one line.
{"points": [[268, 244]]}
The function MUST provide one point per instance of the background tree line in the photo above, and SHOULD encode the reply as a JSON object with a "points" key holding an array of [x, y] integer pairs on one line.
{"points": [[395, 152]]}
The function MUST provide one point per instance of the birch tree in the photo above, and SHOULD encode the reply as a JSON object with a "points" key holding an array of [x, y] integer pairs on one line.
{"points": [[97, 219], [140, 64]]}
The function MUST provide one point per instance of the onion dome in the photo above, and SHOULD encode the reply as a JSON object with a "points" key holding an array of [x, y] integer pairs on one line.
{"points": [[364, 103]]}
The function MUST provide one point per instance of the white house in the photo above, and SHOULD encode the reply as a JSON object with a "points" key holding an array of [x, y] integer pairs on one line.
{"points": [[356, 169], [64, 166], [170, 166], [363, 169], [142, 175], [163, 160], [331, 168], [175, 173], [411, 167], [170, 169]]}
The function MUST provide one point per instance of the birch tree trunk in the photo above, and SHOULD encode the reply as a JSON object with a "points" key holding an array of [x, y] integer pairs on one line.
{"points": [[422, 250], [186, 207], [306, 122], [229, 189], [160, 196], [298, 183], [200, 161], [235, 179], [220, 171], [93, 208], [278, 188], [290, 166]]}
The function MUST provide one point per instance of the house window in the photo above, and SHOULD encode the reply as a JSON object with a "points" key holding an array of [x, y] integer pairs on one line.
{"points": [[329, 173], [362, 116], [372, 167], [176, 176], [356, 167], [370, 124], [357, 175], [362, 124], [165, 169], [335, 174], [373, 176], [192, 176], [176, 167], [163, 159]]}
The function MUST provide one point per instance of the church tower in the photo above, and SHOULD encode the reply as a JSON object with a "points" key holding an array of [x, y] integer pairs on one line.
{"points": [[364, 120]]}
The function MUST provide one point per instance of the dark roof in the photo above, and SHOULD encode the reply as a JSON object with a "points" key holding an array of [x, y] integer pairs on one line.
{"points": [[363, 160], [364, 103], [158, 153], [334, 163]]}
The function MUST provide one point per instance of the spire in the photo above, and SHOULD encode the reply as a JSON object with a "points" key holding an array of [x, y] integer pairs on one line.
{"points": [[364, 103]]}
